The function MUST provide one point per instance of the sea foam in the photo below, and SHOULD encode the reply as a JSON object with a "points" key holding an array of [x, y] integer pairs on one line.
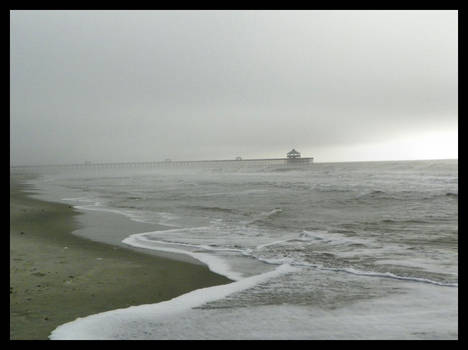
{"points": [[214, 263], [129, 322]]}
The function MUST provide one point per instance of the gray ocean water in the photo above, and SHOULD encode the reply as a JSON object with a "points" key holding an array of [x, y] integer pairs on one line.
{"points": [[372, 247]]}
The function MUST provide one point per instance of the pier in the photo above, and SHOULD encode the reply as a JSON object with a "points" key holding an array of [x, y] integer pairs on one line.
{"points": [[293, 159]]}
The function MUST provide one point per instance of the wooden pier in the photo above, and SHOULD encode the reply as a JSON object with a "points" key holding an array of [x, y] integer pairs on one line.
{"points": [[286, 162]]}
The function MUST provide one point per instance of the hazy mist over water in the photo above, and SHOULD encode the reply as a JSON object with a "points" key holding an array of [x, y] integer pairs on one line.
{"points": [[149, 85]]}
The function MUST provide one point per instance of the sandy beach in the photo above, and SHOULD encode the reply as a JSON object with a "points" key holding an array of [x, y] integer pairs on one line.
{"points": [[56, 277]]}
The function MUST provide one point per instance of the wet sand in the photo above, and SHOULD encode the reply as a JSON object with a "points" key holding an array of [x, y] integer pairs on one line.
{"points": [[56, 277]]}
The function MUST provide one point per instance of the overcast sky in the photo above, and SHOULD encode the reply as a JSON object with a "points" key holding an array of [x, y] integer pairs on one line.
{"points": [[150, 85]]}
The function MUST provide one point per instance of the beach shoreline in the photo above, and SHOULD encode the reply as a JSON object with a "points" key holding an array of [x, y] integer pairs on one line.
{"points": [[57, 276]]}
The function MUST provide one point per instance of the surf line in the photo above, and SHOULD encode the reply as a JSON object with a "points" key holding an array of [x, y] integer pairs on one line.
{"points": [[111, 324], [214, 263], [114, 324], [217, 265]]}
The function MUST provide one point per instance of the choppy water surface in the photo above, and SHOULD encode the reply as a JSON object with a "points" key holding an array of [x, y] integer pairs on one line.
{"points": [[348, 250]]}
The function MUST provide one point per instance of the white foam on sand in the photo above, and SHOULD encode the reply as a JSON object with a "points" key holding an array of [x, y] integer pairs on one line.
{"points": [[401, 316], [214, 263], [134, 322]]}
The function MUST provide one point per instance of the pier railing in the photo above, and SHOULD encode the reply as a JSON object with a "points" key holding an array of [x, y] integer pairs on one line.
{"points": [[189, 163]]}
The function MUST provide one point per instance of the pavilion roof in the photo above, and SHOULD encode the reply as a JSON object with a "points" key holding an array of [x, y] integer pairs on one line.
{"points": [[293, 151]]}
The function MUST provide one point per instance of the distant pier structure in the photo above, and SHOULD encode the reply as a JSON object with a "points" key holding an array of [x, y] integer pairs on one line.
{"points": [[293, 154], [293, 159]]}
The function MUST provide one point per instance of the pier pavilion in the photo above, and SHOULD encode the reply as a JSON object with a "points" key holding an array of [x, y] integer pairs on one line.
{"points": [[293, 154]]}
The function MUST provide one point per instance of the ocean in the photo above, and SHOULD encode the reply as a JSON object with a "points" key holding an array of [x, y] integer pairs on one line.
{"points": [[359, 250]]}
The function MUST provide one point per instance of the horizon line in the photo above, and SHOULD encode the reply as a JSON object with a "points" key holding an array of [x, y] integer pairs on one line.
{"points": [[221, 160]]}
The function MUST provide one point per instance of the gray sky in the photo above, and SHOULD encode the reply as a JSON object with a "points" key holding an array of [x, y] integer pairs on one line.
{"points": [[150, 85]]}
